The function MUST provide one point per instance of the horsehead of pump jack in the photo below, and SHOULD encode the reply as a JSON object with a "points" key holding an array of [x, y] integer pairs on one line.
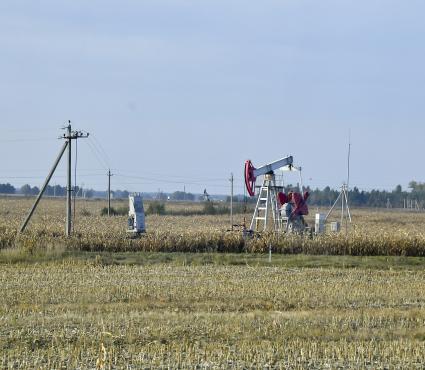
{"points": [[251, 173]]}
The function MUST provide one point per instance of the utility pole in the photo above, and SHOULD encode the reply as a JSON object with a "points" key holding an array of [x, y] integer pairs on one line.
{"points": [[68, 137], [69, 184], [109, 192], [231, 199]]}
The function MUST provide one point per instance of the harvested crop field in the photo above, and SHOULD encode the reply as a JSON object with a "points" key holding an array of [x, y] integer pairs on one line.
{"points": [[76, 314], [100, 300]]}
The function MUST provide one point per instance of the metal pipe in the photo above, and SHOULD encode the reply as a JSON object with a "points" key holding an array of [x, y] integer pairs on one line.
{"points": [[348, 208], [330, 211]]}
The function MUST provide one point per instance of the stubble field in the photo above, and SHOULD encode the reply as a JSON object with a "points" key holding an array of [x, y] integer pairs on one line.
{"points": [[87, 303]]}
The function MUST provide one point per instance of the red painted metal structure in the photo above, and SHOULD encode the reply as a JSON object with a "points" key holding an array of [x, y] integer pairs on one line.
{"points": [[250, 178]]}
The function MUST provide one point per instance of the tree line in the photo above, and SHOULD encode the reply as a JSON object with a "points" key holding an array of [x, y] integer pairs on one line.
{"points": [[55, 190], [398, 198], [413, 197], [60, 191]]}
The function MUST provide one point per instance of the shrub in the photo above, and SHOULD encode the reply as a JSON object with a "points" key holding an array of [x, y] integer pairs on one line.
{"points": [[85, 212], [122, 211], [210, 209], [156, 208]]}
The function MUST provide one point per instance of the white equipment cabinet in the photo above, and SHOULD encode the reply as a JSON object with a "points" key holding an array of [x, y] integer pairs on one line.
{"points": [[319, 226], [335, 227], [136, 214]]}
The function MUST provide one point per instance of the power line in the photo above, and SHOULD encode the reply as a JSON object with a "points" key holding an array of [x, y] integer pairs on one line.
{"points": [[105, 154], [201, 183], [97, 156], [25, 140], [158, 182], [102, 154], [43, 170], [41, 177], [223, 179]]}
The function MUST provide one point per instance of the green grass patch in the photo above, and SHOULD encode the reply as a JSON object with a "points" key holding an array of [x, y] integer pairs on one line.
{"points": [[14, 255]]}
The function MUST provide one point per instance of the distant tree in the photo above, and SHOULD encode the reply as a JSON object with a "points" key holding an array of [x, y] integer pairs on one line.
{"points": [[35, 190], [120, 194], [156, 208], [49, 190], [56, 190], [89, 193], [26, 189], [7, 189], [161, 196], [181, 195], [398, 189], [59, 191], [235, 199], [413, 185], [417, 187]]}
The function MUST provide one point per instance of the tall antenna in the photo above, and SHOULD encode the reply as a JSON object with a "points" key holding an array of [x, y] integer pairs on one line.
{"points": [[347, 192], [344, 194], [349, 158]]}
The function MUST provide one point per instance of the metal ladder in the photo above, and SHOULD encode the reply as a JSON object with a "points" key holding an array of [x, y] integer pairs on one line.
{"points": [[267, 201]]}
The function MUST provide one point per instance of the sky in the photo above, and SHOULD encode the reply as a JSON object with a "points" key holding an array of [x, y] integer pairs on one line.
{"points": [[177, 94]]}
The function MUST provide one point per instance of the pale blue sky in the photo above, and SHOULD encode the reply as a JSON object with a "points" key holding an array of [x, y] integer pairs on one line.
{"points": [[182, 92]]}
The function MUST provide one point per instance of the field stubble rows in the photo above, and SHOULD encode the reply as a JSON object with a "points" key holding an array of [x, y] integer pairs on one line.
{"points": [[83, 313], [73, 315]]}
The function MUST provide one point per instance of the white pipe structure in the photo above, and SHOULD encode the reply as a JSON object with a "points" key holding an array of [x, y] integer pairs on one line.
{"points": [[271, 167]]}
